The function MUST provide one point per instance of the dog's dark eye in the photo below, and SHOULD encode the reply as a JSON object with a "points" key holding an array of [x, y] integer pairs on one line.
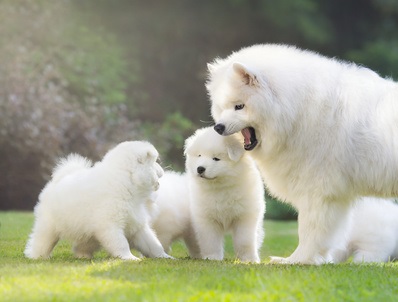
{"points": [[216, 159], [199, 155], [239, 107]]}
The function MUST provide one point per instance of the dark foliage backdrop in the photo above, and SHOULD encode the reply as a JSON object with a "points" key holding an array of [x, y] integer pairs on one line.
{"points": [[81, 76]]}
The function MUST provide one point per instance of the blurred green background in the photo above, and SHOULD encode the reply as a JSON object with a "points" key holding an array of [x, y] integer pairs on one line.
{"points": [[82, 75]]}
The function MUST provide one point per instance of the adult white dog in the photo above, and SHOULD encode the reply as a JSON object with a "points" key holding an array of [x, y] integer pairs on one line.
{"points": [[100, 205], [171, 214], [323, 133], [373, 234], [226, 195]]}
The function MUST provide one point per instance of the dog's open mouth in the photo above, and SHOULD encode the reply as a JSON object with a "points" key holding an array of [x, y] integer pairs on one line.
{"points": [[249, 135]]}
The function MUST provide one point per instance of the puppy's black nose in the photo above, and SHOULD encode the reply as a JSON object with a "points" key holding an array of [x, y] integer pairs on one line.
{"points": [[220, 128], [201, 169]]}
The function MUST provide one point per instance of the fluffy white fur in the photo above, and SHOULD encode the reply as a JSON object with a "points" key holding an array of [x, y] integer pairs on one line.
{"points": [[171, 218], [373, 234], [226, 194], [327, 133], [101, 205]]}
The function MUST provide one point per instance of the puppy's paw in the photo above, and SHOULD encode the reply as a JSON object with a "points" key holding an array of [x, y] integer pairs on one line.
{"points": [[166, 256], [249, 259], [130, 258], [279, 260], [212, 257], [81, 255]]}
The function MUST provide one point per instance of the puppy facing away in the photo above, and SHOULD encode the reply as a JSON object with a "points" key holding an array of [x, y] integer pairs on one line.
{"points": [[101, 205], [226, 195], [171, 218], [323, 133], [373, 234]]}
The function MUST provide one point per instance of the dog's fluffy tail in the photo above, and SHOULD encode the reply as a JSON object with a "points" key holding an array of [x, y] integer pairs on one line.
{"points": [[70, 164]]}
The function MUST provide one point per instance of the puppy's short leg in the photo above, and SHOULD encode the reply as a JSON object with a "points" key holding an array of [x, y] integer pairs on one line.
{"points": [[376, 247], [321, 227], [115, 243], [367, 256], [148, 244], [85, 249], [192, 244], [165, 240], [210, 239], [375, 250], [245, 240], [41, 242]]}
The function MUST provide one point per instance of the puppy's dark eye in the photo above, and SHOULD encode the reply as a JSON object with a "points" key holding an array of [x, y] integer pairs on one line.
{"points": [[216, 159], [199, 155], [239, 107]]}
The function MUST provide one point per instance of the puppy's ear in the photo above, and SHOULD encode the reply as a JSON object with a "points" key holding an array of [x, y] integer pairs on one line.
{"points": [[235, 151], [145, 157], [247, 75], [210, 67], [190, 140], [188, 144]]}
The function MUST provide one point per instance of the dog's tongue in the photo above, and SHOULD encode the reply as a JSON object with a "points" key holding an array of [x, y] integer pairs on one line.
{"points": [[246, 135]]}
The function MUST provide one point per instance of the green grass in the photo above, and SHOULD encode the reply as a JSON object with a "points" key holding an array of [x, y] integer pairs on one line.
{"points": [[63, 278]]}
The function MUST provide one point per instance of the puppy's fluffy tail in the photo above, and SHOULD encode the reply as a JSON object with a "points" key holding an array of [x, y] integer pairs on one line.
{"points": [[68, 165]]}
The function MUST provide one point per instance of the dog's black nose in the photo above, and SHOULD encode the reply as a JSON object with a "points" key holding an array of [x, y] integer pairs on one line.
{"points": [[220, 128], [201, 169]]}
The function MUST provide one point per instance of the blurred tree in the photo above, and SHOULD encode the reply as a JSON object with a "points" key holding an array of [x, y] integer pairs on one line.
{"points": [[380, 55], [173, 40], [278, 210], [170, 136], [365, 32], [299, 21], [59, 83]]}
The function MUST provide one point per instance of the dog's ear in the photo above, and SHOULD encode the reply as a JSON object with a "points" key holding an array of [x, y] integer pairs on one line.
{"points": [[247, 75], [235, 151]]}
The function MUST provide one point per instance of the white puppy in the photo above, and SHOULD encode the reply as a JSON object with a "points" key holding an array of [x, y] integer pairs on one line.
{"points": [[171, 217], [373, 234], [101, 205], [322, 132], [227, 194]]}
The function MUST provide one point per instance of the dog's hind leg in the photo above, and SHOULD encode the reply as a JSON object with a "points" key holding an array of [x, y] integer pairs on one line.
{"points": [[148, 244], [41, 242], [115, 243]]}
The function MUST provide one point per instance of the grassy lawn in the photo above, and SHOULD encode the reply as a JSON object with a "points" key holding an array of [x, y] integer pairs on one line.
{"points": [[64, 278]]}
